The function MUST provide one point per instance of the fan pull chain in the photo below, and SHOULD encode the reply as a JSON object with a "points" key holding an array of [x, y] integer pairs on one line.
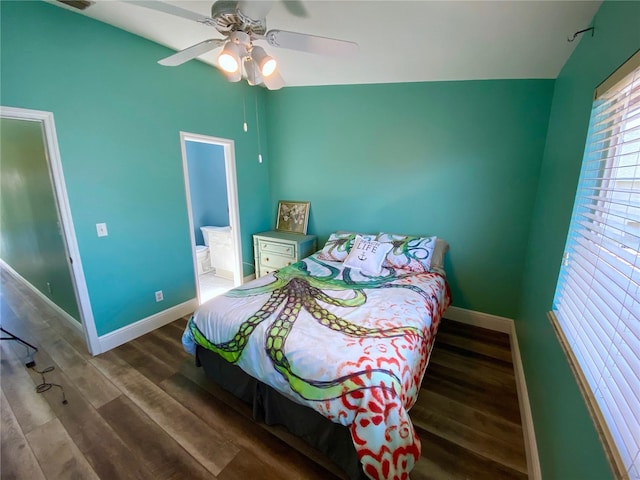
{"points": [[258, 130], [244, 114]]}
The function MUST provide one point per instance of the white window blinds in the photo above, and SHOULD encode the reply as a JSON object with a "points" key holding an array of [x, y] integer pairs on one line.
{"points": [[597, 301]]}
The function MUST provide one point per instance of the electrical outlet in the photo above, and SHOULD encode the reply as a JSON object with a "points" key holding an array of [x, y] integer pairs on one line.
{"points": [[159, 296]]}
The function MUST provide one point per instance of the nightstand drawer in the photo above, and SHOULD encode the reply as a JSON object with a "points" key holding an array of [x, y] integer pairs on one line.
{"points": [[273, 261], [277, 248], [266, 271]]}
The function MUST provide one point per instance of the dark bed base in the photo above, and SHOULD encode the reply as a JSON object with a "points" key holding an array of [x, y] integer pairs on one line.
{"points": [[269, 406]]}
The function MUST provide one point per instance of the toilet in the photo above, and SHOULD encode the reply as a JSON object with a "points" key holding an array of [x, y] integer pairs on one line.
{"points": [[221, 254], [203, 260]]}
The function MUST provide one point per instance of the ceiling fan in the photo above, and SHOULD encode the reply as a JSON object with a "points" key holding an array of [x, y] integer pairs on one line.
{"points": [[242, 23]]}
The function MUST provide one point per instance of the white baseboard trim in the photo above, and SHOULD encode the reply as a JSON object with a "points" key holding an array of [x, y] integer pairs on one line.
{"points": [[72, 321], [508, 326], [479, 319], [146, 325], [530, 444], [248, 278]]}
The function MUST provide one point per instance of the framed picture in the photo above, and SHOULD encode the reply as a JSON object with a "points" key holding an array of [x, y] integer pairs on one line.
{"points": [[293, 217]]}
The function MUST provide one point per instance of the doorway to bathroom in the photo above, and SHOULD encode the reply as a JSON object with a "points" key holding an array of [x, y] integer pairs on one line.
{"points": [[214, 221]]}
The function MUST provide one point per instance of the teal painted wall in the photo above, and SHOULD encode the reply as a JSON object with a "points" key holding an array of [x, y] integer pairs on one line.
{"points": [[207, 186], [30, 238], [455, 159], [568, 445], [118, 116]]}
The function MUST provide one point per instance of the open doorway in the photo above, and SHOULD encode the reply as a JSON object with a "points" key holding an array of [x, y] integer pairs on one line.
{"points": [[43, 251], [214, 221]]}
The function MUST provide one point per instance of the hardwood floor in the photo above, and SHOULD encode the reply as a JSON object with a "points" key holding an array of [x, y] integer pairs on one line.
{"points": [[143, 410]]}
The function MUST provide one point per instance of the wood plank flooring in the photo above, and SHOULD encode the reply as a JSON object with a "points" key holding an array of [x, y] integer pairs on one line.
{"points": [[144, 411]]}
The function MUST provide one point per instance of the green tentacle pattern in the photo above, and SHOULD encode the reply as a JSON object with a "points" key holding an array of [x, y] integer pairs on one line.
{"points": [[341, 244], [294, 290], [232, 349]]}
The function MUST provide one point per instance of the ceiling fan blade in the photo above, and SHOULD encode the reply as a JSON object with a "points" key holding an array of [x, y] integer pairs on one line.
{"points": [[310, 43], [191, 52], [172, 10], [255, 9]]}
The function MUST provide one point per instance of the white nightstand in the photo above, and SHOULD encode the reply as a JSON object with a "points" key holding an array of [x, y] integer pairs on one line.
{"points": [[274, 250]]}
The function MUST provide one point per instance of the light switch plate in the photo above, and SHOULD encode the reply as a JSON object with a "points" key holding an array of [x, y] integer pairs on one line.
{"points": [[101, 228]]}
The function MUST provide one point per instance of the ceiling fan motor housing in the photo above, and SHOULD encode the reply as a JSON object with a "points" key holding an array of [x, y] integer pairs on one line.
{"points": [[229, 19]]}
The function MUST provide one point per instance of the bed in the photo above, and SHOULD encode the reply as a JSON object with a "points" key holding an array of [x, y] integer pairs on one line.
{"points": [[333, 347]]}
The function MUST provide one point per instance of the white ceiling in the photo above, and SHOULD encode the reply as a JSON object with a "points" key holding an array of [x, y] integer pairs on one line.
{"points": [[400, 41]]}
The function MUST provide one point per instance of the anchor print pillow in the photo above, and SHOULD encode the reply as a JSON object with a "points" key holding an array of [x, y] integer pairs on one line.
{"points": [[367, 255], [408, 253], [339, 245]]}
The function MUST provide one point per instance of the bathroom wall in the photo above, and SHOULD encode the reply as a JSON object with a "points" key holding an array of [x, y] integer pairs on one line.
{"points": [[207, 185]]}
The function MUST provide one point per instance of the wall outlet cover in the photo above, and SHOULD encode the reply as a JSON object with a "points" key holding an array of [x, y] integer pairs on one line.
{"points": [[101, 228]]}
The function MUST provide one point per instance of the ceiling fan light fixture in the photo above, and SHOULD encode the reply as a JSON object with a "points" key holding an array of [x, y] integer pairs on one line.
{"points": [[233, 76], [253, 73], [273, 81], [229, 58], [266, 64], [268, 67]]}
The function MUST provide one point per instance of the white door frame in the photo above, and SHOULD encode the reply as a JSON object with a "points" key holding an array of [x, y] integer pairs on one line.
{"points": [[70, 241], [232, 199]]}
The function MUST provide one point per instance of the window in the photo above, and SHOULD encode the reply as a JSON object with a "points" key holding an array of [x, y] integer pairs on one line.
{"points": [[596, 309]]}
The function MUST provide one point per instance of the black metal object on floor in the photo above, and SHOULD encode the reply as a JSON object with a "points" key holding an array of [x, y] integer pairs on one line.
{"points": [[29, 364]]}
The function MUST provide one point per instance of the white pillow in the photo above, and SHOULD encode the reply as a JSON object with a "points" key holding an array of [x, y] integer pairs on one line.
{"points": [[367, 255]]}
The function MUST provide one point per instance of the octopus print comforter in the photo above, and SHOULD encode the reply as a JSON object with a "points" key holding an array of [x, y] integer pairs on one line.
{"points": [[352, 347]]}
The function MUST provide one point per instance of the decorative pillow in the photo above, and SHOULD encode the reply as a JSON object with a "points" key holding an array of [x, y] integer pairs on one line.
{"points": [[367, 255], [339, 245], [408, 253]]}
